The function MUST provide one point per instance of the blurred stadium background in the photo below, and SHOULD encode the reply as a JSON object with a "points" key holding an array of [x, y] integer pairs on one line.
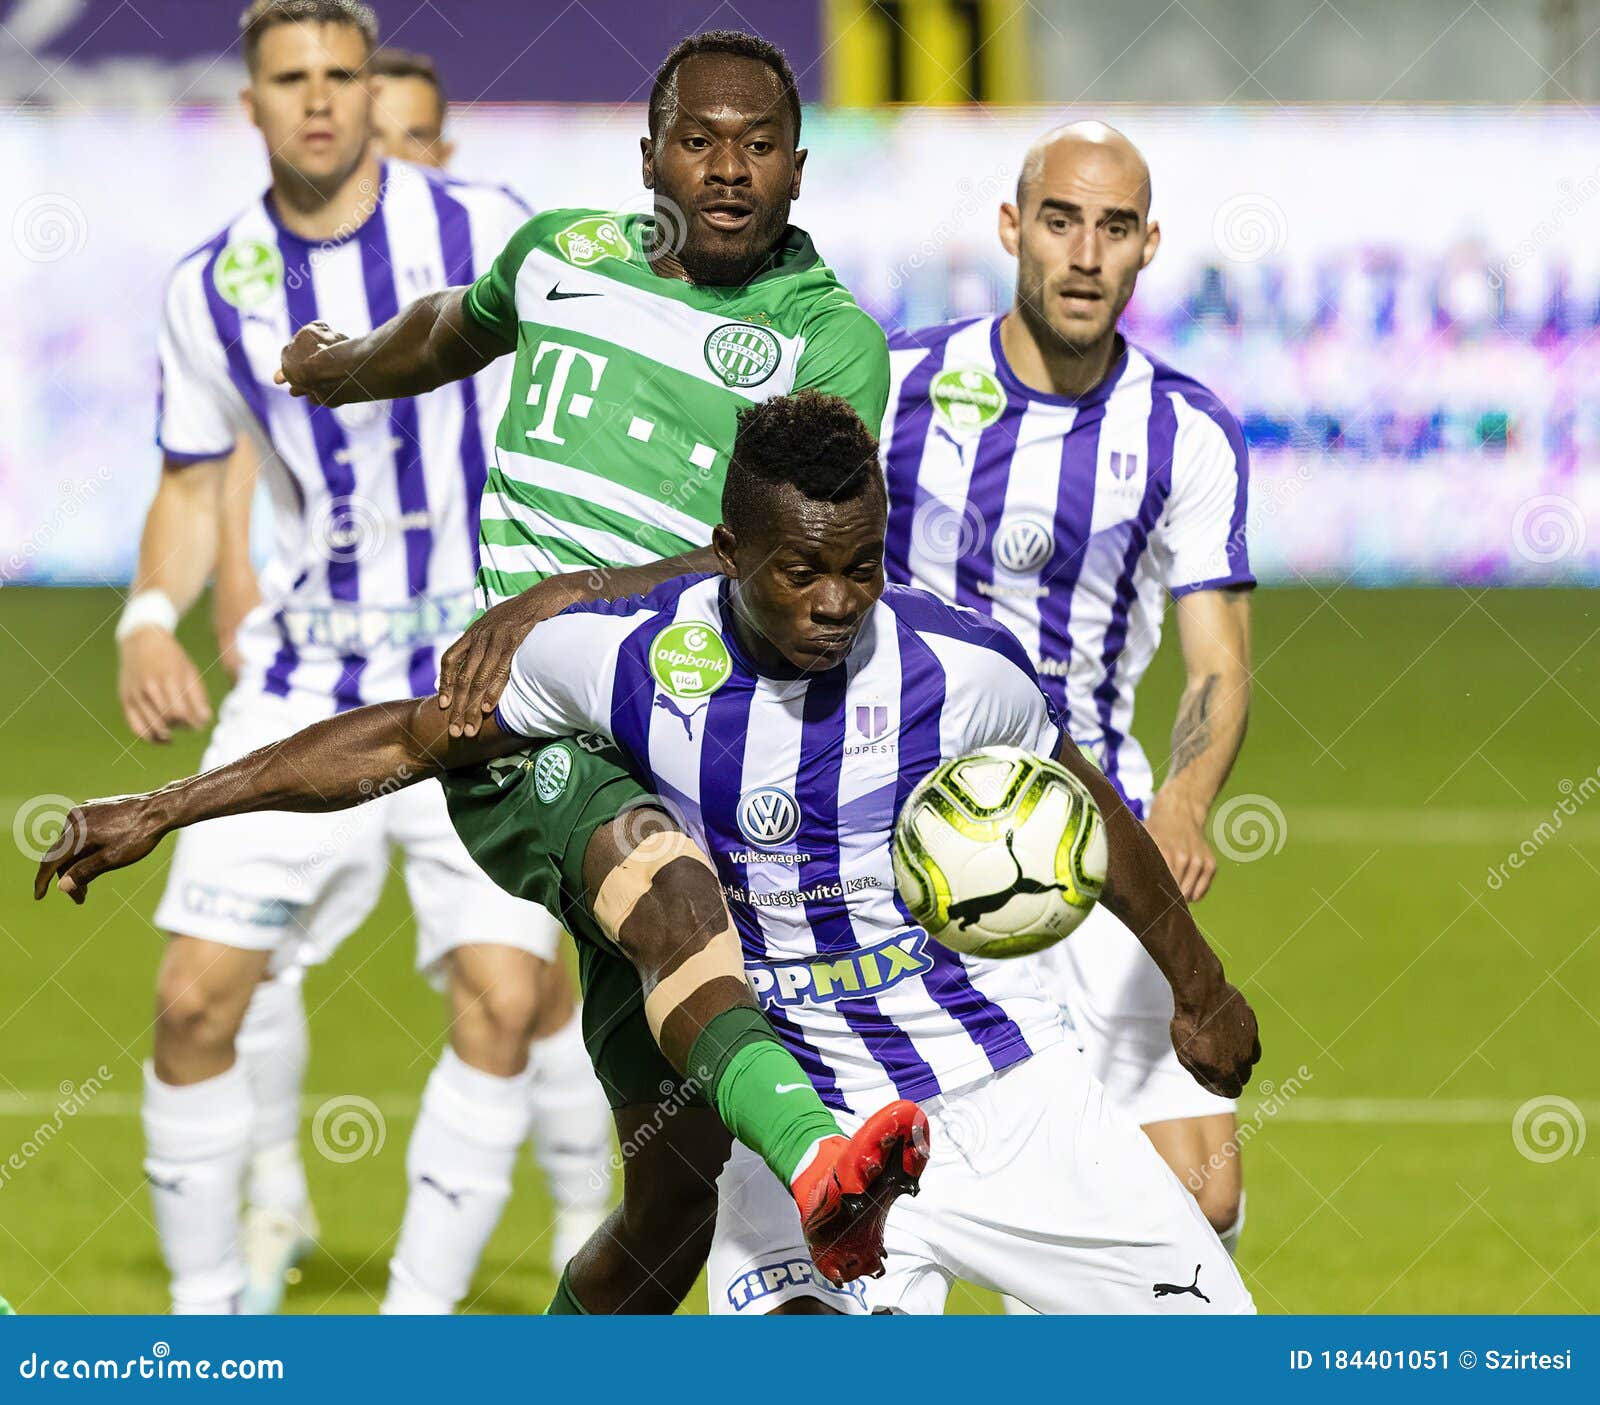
{"points": [[1382, 247]]}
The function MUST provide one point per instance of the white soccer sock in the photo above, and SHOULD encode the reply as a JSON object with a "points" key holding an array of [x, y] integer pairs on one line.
{"points": [[196, 1141], [459, 1165], [571, 1119], [1230, 1236], [273, 1048]]}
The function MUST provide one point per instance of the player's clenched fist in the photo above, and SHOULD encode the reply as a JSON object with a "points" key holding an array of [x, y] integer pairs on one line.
{"points": [[312, 368], [1217, 1041], [99, 836]]}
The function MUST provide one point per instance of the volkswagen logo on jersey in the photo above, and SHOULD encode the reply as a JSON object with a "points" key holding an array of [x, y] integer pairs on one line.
{"points": [[768, 817], [1023, 545], [741, 354]]}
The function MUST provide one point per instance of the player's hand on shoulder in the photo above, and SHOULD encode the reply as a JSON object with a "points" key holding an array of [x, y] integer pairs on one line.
{"points": [[1179, 830], [475, 669], [159, 686], [1217, 1040], [99, 836], [309, 370]]}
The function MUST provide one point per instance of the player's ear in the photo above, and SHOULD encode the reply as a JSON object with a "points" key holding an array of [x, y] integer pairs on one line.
{"points": [[647, 162], [247, 101], [1152, 242], [1010, 227], [446, 150], [799, 167], [723, 546]]}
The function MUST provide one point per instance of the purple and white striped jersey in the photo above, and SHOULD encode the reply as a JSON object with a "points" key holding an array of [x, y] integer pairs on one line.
{"points": [[374, 506], [792, 786], [1068, 520]]}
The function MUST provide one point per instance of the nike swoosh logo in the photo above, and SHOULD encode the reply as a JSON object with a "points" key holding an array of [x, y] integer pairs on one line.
{"points": [[789, 1087], [556, 295]]}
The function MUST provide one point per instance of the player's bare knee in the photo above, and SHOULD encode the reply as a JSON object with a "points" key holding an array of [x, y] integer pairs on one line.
{"points": [[680, 912], [202, 993]]}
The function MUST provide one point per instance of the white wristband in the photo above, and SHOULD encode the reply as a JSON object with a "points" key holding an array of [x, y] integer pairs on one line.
{"points": [[147, 608]]}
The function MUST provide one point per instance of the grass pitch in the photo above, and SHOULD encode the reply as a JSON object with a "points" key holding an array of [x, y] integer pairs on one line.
{"points": [[1429, 1010]]}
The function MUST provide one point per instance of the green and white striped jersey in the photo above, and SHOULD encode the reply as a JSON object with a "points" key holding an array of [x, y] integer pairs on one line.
{"points": [[615, 443]]}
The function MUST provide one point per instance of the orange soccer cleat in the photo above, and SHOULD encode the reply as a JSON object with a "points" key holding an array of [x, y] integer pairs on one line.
{"points": [[845, 1193]]}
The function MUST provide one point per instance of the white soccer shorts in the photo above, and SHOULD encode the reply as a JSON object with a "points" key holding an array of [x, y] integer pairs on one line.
{"points": [[1120, 1005], [298, 884], [1037, 1187]]}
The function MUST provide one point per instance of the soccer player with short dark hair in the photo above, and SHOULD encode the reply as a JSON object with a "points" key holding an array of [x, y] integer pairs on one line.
{"points": [[761, 665]]}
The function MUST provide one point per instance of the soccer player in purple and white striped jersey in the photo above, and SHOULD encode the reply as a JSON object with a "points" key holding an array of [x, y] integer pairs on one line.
{"points": [[375, 530], [1047, 473]]}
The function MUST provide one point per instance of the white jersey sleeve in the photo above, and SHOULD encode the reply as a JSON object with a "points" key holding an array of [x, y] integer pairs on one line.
{"points": [[1013, 712], [200, 413], [992, 694], [562, 676], [1201, 539]]}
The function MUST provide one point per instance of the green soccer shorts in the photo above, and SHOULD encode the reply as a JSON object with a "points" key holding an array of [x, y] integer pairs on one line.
{"points": [[527, 820]]}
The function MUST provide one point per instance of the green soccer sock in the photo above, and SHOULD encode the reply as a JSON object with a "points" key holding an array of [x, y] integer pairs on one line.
{"points": [[762, 1095], [565, 1303]]}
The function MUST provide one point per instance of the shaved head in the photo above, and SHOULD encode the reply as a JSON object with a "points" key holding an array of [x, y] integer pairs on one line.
{"points": [[1102, 153]]}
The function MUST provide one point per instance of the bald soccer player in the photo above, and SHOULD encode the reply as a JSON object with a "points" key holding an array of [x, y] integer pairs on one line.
{"points": [[1082, 481]]}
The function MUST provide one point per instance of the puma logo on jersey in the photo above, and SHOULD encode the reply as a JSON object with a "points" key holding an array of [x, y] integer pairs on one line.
{"points": [[666, 704], [1164, 1289]]}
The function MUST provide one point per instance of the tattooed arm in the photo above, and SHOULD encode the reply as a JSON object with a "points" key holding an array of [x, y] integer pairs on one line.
{"points": [[1214, 630]]}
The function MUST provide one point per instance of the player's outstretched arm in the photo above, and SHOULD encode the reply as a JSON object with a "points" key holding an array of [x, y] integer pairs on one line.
{"points": [[1213, 1027], [474, 670], [331, 765], [430, 343]]}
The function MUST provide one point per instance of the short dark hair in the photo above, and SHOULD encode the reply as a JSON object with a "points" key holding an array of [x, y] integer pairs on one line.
{"points": [[263, 15], [663, 92], [403, 63], [814, 443]]}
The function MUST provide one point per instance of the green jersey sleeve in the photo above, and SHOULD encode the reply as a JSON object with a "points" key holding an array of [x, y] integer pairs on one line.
{"points": [[492, 300], [847, 354]]}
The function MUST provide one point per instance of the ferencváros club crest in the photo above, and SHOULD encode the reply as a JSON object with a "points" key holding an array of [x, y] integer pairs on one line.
{"points": [[246, 274], [741, 354], [690, 660], [966, 400]]}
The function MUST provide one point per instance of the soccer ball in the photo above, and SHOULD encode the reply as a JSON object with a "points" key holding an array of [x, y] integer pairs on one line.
{"points": [[999, 852]]}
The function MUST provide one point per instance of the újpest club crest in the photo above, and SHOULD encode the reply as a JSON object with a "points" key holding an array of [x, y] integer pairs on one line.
{"points": [[589, 240], [690, 660], [967, 400], [246, 274], [742, 354]]}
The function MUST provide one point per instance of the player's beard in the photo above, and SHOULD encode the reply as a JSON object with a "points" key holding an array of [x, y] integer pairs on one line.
{"points": [[1079, 339], [729, 260]]}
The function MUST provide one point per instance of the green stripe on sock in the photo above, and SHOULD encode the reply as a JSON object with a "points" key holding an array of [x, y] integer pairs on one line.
{"points": [[761, 1093], [565, 1303]]}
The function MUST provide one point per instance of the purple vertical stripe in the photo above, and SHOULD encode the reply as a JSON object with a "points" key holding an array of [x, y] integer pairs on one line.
{"points": [[455, 244], [225, 318], [986, 504], [903, 461], [383, 302], [922, 694], [1162, 430], [822, 741], [333, 457], [633, 691], [726, 723], [1074, 521]]}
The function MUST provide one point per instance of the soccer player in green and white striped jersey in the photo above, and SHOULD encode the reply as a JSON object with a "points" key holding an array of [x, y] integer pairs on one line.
{"points": [[637, 339]]}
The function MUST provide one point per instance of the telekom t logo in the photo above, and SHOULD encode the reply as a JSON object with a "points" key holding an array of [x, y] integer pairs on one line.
{"points": [[578, 404]]}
